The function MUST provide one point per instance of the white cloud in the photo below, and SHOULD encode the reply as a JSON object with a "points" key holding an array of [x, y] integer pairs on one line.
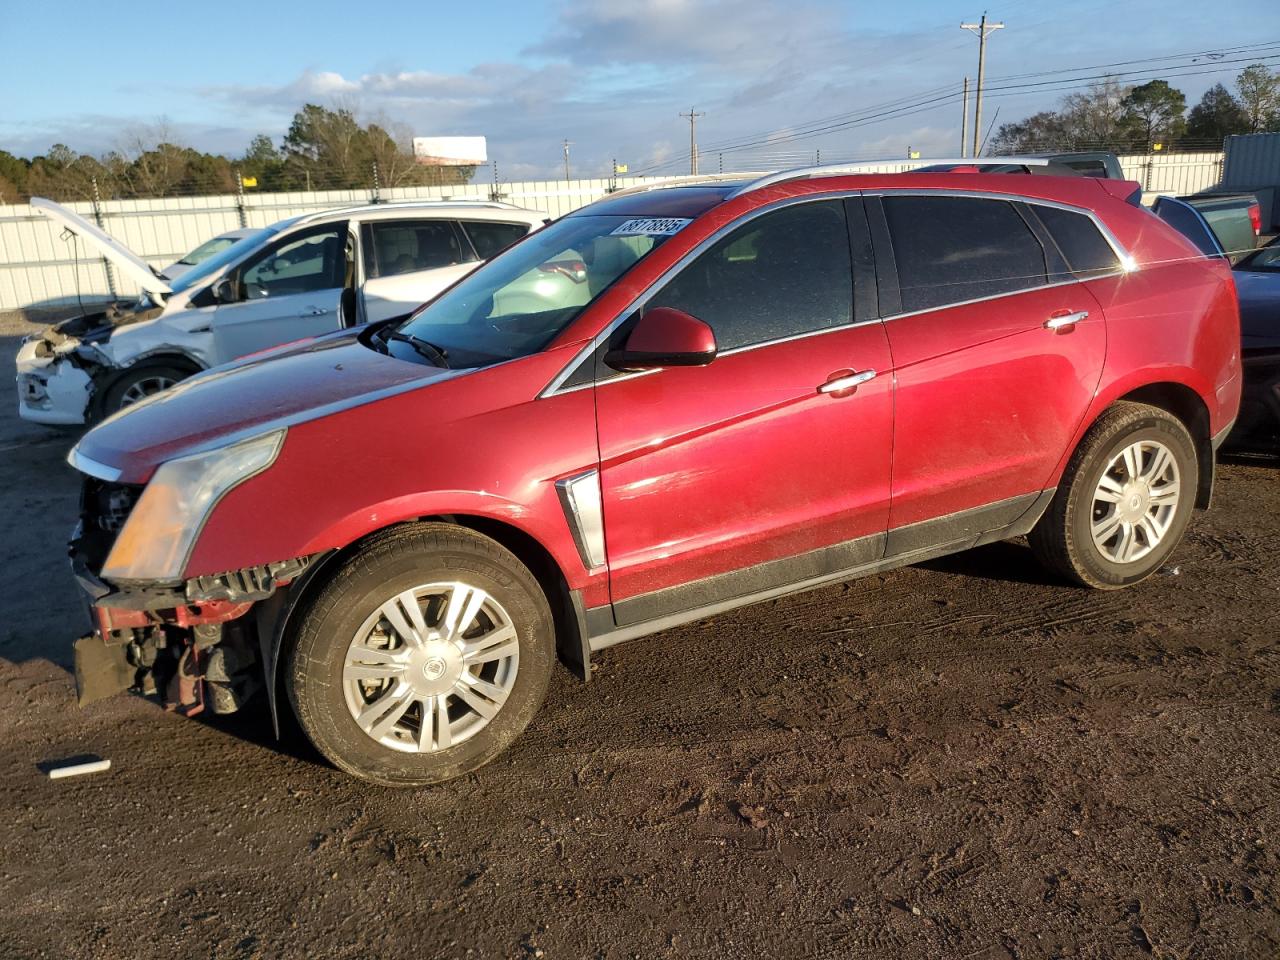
{"points": [[613, 76]]}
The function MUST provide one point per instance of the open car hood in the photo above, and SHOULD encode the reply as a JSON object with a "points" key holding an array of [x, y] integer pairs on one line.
{"points": [[102, 243]]}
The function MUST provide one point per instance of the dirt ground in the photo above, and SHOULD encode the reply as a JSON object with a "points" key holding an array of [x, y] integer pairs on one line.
{"points": [[964, 759]]}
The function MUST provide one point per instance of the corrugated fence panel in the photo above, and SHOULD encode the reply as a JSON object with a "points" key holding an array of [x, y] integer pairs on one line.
{"points": [[38, 267], [1252, 162], [1174, 173]]}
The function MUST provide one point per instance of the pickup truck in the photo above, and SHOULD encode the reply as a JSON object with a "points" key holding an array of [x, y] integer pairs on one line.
{"points": [[1234, 220], [1220, 225]]}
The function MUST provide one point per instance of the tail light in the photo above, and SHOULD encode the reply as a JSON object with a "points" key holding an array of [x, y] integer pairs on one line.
{"points": [[1255, 218]]}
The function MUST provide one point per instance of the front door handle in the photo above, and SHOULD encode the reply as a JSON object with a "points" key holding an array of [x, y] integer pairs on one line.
{"points": [[847, 382], [313, 312], [1065, 321]]}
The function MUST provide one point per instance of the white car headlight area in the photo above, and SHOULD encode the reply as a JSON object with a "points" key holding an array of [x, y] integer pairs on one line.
{"points": [[157, 538]]}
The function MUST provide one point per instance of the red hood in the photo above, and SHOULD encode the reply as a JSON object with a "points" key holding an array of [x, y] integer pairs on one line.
{"points": [[250, 397]]}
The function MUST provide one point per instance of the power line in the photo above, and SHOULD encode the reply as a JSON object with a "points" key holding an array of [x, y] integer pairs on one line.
{"points": [[924, 103], [888, 109], [803, 126]]}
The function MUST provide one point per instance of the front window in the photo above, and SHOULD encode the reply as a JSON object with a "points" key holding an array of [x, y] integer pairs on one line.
{"points": [[517, 303], [213, 265], [305, 263]]}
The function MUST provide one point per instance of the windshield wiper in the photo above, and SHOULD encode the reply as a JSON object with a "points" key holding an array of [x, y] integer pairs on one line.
{"points": [[437, 355]]}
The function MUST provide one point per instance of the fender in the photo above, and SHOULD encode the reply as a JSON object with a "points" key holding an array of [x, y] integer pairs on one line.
{"points": [[178, 354], [558, 543], [106, 376], [1136, 381]]}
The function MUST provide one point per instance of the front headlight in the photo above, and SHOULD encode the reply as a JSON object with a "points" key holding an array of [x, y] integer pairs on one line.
{"points": [[157, 537]]}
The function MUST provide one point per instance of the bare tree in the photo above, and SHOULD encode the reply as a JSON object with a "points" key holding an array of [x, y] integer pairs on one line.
{"points": [[154, 165], [1097, 116], [1258, 88]]}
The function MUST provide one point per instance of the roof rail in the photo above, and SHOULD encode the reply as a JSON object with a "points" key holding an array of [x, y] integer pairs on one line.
{"points": [[694, 180], [832, 169], [396, 204]]}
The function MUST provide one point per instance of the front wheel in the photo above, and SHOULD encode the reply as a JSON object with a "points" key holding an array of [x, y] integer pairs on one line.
{"points": [[139, 383], [424, 657], [1125, 499]]}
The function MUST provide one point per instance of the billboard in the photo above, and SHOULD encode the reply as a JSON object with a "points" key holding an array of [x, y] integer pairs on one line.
{"points": [[450, 151]]}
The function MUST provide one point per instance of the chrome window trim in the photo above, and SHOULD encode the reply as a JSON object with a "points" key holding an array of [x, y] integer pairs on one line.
{"points": [[556, 387], [999, 296], [92, 467]]}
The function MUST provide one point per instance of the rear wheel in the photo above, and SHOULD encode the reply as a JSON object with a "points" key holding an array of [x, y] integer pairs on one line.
{"points": [[1125, 499], [424, 658]]}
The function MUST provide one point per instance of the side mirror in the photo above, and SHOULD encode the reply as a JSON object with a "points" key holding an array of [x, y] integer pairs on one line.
{"points": [[665, 337], [224, 290]]}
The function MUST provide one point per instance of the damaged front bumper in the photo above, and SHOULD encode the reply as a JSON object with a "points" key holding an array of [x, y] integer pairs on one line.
{"points": [[54, 383], [190, 643]]}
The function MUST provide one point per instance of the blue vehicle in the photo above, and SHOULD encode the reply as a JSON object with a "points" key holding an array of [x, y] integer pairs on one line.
{"points": [[1258, 287]]}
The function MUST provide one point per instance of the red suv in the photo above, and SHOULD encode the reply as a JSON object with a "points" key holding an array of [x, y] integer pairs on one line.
{"points": [[668, 404]]}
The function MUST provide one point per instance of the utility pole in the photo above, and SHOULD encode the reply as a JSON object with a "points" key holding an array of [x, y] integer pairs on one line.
{"points": [[692, 117], [567, 145], [964, 117], [983, 30]]}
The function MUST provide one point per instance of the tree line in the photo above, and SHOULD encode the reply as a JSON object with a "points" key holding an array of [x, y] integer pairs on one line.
{"points": [[324, 149], [1128, 118]]}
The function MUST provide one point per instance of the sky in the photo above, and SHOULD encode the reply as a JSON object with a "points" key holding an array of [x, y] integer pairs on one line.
{"points": [[610, 76]]}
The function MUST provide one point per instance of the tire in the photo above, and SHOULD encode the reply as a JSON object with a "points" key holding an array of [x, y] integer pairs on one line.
{"points": [[1114, 534], [349, 660], [140, 382]]}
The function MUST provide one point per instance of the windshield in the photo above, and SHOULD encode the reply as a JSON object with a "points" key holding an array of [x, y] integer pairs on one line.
{"points": [[1265, 260], [207, 250], [515, 304], [207, 268]]}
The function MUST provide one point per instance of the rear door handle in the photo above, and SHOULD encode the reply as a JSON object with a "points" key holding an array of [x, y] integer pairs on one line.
{"points": [[847, 382], [1065, 321]]}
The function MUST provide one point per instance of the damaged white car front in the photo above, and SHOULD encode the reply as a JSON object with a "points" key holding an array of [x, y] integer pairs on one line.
{"points": [[81, 369]]}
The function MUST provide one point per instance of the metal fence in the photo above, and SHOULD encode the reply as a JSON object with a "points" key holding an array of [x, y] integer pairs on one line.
{"points": [[39, 267]]}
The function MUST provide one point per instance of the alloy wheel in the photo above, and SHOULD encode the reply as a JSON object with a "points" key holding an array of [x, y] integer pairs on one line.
{"points": [[146, 387], [1135, 501], [431, 667]]}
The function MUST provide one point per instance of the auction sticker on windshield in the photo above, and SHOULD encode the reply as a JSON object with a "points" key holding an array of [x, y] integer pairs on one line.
{"points": [[651, 227]]}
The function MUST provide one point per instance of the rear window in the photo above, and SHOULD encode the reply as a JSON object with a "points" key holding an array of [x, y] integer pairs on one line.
{"points": [[1081, 242], [952, 249], [1088, 168], [488, 237]]}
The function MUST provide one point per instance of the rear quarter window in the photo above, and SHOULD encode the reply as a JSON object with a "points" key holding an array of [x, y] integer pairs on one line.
{"points": [[1086, 250]]}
